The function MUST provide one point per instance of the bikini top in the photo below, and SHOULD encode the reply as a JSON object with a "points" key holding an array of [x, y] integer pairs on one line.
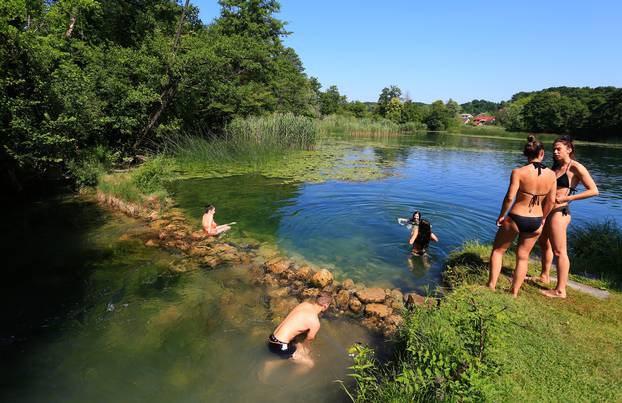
{"points": [[535, 199], [563, 182]]}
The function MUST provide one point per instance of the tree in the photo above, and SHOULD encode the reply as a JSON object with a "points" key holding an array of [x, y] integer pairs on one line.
{"points": [[452, 107], [394, 110], [358, 109], [414, 112], [386, 95], [331, 101], [554, 113], [439, 118]]}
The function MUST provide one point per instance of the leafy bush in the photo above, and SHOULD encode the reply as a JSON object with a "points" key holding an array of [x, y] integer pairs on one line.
{"points": [[90, 165], [151, 176], [596, 249], [448, 355]]}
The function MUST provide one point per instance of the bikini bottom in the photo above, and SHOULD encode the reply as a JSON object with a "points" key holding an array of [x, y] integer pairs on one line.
{"points": [[526, 225]]}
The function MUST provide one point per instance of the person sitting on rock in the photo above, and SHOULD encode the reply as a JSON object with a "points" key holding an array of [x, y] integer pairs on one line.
{"points": [[209, 225], [304, 318]]}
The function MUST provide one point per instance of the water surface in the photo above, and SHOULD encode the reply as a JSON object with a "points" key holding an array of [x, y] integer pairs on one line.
{"points": [[93, 315], [457, 182]]}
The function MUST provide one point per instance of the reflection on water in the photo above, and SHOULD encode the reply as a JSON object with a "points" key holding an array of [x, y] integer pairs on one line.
{"points": [[457, 182], [130, 329]]}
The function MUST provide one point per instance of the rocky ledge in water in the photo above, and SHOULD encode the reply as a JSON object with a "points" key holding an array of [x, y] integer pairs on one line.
{"points": [[287, 282]]}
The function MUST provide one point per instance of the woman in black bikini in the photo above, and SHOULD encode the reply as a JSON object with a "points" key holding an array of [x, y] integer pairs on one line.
{"points": [[421, 236], [531, 195], [569, 173]]}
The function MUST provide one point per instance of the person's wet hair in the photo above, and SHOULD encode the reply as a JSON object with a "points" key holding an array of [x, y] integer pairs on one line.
{"points": [[209, 208], [425, 233], [533, 147], [325, 298], [412, 219]]}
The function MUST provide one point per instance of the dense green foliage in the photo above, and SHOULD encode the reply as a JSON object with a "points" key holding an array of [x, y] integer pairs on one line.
{"points": [[477, 106], [589, 113], [76, 75], [448, 354]]}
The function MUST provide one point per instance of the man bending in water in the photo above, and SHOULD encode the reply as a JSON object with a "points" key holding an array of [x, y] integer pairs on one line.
{"points": [[303, 318], [209, 225]]}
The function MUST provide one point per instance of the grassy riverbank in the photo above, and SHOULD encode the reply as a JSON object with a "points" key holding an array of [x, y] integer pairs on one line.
{"points": [[480, 345]]}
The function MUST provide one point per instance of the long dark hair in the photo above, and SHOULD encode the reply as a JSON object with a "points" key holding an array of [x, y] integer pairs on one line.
{"points": [[425, 234], [533, 147], [412, 219], [567, 141]]}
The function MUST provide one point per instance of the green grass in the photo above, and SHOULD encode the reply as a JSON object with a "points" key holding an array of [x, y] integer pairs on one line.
{"points": [[146, 181], [596, 253], [534, 348]]}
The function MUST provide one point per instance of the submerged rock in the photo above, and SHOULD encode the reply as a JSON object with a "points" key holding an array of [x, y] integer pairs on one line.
{"points": [[322, 278], [270, 281], [379, 310], [211, 261], [348, 284], [371, 295], [278, 292], [277, 265], [355, 305], [394, 319], [280, 307], [304, 273], [372, 323], [342, 299]]}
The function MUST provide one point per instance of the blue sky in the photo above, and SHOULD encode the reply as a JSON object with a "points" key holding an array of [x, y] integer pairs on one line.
{"points": [[450, 49]]}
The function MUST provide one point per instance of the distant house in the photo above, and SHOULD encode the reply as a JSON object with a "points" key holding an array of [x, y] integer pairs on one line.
{"points": [[466, 117], [484, 120]]}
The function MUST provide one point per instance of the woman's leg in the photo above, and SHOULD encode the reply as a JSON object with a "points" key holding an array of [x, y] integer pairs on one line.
{"points": [[222, 228], [559, 226], [505, 235], [547, 253], [526, 243]]}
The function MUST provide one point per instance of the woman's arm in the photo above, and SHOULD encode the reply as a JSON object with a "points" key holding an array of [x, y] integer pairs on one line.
{"points": [[413, 234], [509, 197], [549, 200], [585, 178], [433, 237]]}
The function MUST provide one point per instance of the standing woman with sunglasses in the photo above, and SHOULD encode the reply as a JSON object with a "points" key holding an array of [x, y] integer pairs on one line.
{"points": [[569, 173]]}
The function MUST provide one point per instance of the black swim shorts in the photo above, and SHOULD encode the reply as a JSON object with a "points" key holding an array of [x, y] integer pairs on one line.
{"points": [[283, 350]]}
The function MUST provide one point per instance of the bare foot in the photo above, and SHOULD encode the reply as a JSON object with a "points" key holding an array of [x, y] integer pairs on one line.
{"points": [[541, 279], [491, 287], [553, 293]]}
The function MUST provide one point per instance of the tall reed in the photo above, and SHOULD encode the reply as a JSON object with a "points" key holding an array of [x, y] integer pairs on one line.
{"points": [[250, 141], [352, 125]]}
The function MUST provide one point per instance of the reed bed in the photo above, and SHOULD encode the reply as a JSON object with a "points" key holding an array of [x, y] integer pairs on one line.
{"points": [[252, 141], [352, 125]]}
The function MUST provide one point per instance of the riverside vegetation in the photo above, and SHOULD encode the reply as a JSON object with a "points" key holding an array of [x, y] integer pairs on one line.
{"points": [[483, 346]]}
